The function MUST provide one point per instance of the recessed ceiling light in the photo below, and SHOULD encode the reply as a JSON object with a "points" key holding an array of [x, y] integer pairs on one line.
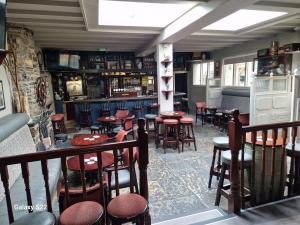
{"points": [[243, 18], [140, 14]]}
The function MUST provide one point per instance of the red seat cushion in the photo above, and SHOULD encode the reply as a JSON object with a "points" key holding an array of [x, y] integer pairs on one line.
{"points": [[158, 119], [170, 121], [127, 206], [82, 213], [186, 120], [57, 117]]}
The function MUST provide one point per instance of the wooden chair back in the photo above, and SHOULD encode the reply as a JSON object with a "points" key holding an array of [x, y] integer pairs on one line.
{"points": [[122, 114], [141, 144], [128, 123]]}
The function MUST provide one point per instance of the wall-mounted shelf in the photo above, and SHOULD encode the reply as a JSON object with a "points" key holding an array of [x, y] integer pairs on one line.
{"points": [[166, 78], [166, 62], [166, 93]]}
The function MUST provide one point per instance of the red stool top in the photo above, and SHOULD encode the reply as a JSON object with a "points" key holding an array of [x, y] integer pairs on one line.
{"points": [[81, 213], [186, 120], [159, 120], [57, 117], [127, 206], [171, 121]]}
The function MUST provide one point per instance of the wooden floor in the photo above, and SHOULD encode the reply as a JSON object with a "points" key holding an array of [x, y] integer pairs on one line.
{"points": [[284, 212]]}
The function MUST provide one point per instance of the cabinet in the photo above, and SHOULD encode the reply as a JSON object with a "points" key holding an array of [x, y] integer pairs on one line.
{"points": [[278, 65]]}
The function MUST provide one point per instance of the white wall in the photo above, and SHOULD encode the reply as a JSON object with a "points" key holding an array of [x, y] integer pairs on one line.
{"points": [[7, 93]]}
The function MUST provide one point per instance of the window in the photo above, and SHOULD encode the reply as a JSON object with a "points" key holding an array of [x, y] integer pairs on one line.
{"points": [[202, 71], [238, 74]]}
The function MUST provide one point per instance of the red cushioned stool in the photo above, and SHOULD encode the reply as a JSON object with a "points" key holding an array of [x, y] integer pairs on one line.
{"points": [[188, 136], [127, 208], [171, 133], [158, 134], [82, 213], [58, 123]]}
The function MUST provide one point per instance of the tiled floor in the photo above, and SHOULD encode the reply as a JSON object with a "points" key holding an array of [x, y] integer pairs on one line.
{"points": [[178, 182]]}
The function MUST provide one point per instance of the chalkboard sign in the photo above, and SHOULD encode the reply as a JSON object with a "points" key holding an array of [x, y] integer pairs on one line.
{"points": [[2, 23]]}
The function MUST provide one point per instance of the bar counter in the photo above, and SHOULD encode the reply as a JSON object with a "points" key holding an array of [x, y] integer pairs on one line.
{"points": [[95, 105]]}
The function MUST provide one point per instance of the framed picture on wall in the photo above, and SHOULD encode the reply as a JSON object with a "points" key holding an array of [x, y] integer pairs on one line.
{"points": [[2, 101]]}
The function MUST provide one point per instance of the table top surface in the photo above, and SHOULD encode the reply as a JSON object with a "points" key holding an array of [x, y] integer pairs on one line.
{"points": [[88, 139], [107, 119], [90, 161], [173, 114], [259, 141]]}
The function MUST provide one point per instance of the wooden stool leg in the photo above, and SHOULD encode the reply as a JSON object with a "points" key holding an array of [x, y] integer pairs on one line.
{"points": [[220, 185], [165, 138], [212, 167], [177, 137], [194, 139], [183, 136]]}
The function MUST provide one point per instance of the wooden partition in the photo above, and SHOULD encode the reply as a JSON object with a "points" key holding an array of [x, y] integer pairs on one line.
{"points": [[273, 177], [141, 143]]}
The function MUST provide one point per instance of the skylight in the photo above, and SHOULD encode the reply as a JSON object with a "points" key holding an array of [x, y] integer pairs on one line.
{"points": [[140, 14], [243, 18]]}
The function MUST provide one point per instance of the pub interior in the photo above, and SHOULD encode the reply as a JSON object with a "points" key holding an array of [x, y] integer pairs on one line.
{"points": [[146, 112]]}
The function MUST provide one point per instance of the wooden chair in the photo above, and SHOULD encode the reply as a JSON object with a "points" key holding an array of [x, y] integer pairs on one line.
{"points": [[200, 111], [85, 115]]}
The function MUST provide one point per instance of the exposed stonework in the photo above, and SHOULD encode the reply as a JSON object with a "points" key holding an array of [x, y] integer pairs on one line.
{"points": [[28, 70]]}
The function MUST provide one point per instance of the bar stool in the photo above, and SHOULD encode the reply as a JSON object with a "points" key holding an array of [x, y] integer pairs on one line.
{"points": [[85, 213], [220, 144], [105, 109], [85, 115], [171, 133], [186, 125], [177, 106], [150, 119], [296, 184], [226, 161], [158, 127], [58, 123], [154, 108], [137, 109]]}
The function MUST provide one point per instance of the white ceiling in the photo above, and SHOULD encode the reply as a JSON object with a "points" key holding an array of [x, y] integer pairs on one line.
{"points": [[70, 24]]}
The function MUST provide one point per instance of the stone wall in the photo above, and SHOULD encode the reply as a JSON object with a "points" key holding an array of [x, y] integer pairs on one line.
{"points": [[29, 71]]}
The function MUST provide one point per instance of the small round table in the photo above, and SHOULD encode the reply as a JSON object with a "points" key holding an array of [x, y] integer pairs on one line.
{"points": [[107, 121], [88, 139], [172, 115]]}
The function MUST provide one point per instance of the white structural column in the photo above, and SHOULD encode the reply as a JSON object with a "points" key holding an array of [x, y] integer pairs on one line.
{"points": [[164, 52]]}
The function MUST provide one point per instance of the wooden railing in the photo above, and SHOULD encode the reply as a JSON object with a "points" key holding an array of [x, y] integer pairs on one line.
{"points": [[267, 146], [141, 143]]}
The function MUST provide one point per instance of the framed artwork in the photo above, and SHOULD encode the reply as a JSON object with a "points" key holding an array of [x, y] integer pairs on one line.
{"points": [[2, 100]]}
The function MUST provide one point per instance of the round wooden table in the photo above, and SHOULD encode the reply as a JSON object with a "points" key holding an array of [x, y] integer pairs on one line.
{"points": [[90, 161], [268, 166], [172, 115], [107, 121], [88, 139]]}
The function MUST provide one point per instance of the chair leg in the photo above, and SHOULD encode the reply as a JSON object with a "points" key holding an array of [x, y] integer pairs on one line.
{"points": [[194, 139], [177, 138], [212, 167], [183, 137], [220, 185]]}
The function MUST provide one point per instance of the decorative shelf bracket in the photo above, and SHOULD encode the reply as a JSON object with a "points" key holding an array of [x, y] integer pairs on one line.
{"points": [[166, 93]]}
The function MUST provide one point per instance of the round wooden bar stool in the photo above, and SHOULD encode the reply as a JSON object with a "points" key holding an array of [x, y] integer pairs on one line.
{"points": [[127, 208], [58, 123], [36, 218], [171, 133], [188, 136], [177, 106], [220, 144], [226, 161], [150, 119], [82, 213], [158, 127]]}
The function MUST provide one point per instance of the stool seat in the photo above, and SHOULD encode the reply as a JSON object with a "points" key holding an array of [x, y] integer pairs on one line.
{"points": [[36, 218], [82, 213], [57, 117], [289, 151], [150, 116], [221, 142], [177, 103], [127, 206], [159, 120], [226, 158], [170, 121], [186, 120]]}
